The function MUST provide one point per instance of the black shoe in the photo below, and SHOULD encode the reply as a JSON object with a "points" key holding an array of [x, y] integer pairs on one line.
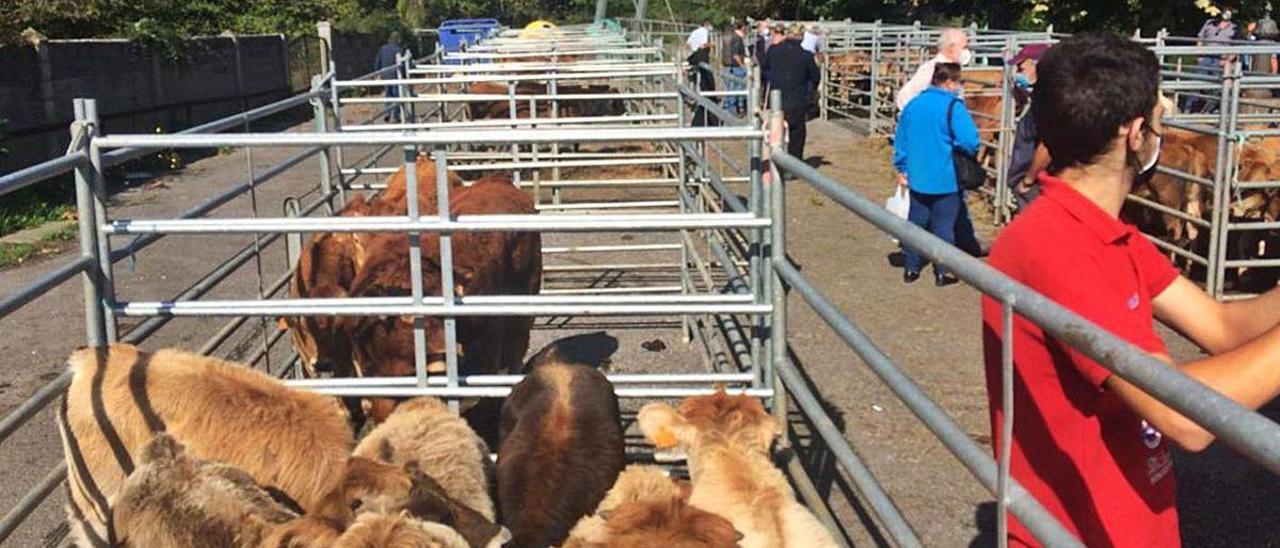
{"points": [[909, 276], [945, 279]]}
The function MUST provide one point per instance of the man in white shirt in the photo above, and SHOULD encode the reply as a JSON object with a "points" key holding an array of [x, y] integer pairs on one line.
{"points": [[700, 37], [812, 41], [953, 47]]}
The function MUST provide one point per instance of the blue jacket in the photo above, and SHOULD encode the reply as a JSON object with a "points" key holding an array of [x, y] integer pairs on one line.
{"points": [[922, 147]]}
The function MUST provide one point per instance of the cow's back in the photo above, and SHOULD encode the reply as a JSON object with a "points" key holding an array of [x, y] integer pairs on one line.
{"points": [[562, 449], [119, 397]]}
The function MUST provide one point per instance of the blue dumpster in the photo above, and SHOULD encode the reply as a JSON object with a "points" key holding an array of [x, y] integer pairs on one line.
{"points": [[455, 32]]}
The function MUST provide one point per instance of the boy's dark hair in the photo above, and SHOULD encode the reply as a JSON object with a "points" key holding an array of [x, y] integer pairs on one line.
{"points": [[946, 72], [1088, 86], [739, 25]]}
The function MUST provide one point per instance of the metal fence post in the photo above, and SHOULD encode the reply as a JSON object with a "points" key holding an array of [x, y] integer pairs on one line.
{"points": [[755, 276], [1223, 176], [874, 107], [322, 126], [105, 265], [95, 321], [1004, 138], [826, 81], [446, 275], [776, 252]]}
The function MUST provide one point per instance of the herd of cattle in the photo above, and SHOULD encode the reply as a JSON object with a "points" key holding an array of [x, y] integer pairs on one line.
{"points": [[1186, 151], [176, 449], [173, 449]]}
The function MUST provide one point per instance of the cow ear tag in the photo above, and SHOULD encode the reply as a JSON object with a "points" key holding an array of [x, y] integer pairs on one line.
{"points": [[664, 438]]}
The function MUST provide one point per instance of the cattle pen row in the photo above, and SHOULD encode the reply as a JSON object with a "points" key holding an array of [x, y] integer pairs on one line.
{"points": [[638, 179], [1215, 212]]}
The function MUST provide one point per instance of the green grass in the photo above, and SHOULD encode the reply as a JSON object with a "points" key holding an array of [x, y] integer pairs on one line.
{"points": [[15, 254], [12, 255], [21, 210]]}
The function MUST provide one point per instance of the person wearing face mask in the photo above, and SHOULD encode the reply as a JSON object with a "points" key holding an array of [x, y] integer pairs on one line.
{"points": [[953, 47], [1090, 446], [932, 126], [1022, 171], [1217, 31]]}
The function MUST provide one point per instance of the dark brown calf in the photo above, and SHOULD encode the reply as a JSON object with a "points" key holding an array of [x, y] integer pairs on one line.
{"points": [[562, 449]]}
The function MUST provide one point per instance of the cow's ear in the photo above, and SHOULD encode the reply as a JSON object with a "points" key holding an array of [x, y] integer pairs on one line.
{"points": [[463, 276]]}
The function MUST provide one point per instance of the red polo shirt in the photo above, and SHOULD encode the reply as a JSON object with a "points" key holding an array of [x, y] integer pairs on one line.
{"points": [[1077, 448]]}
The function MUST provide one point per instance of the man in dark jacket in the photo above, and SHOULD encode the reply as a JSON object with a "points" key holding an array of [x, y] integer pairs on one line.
{"points": [[789, 68], [387, 58]]}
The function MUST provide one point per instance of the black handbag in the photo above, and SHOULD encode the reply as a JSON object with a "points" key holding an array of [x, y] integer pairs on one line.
{"points": [[969, 173]]}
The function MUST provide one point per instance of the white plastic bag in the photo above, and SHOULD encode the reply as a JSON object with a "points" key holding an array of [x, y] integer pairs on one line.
{"points": [[899, 204]]}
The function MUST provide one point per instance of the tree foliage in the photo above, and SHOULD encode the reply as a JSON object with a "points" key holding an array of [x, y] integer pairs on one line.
{"points": [[162, 20]]}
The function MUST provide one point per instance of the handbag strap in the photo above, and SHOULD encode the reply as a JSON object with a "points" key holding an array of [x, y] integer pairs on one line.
{"points": [[950, 130]]}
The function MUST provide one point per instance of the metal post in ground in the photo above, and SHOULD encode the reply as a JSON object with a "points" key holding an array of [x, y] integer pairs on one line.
{"points": [[415, 263], [1223, 174], [876, 55], [554, 89], [755, 274], [776, 337], [336, 103], [105, 267], [321, 125], [1006, 426], [1004, 138], [682, 178], [515, 148], [95, 321], [447, 281]]}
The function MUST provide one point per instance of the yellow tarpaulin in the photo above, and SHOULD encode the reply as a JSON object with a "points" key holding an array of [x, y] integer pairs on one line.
{"points": [[539, 29]]}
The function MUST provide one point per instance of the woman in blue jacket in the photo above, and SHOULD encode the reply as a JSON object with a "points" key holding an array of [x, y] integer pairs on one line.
{"points": [[922, 155]]}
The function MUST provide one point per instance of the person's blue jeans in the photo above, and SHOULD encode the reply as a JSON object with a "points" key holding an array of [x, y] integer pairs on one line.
{"points": [[392, 92], [735, 104], [937, 213]]}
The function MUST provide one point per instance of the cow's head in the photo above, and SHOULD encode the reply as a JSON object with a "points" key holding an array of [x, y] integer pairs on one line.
{"points": [[739, 419], [383, 346]]}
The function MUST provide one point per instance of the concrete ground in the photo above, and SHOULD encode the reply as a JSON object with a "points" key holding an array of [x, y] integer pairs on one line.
{"points": [[932, 333]]}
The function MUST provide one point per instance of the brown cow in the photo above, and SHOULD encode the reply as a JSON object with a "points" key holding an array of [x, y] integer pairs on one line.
{"points": [[562, 449], [568, 108], [485, 263]]}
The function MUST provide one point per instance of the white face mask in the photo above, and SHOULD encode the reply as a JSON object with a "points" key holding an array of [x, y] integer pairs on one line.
{"points": [[1226, 15], [966, 56], [1155, 156]]}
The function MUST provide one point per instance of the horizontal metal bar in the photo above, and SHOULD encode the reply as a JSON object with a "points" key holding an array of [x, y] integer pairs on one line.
{"points": [[978, 461], [628, 248], [602, 267], [509, 380], [33, 405], [604, 206], [442, 137], [44, 284], [295, 307], [459, 79], [1253, 435], [122, 155], [199, 210], [504, 391], [1182, 215], [32, 500], [465, 223], [612, 290], [541, 164], [490, 97], [514, 122], [31, 175], [1171, 248], [602, 183]]}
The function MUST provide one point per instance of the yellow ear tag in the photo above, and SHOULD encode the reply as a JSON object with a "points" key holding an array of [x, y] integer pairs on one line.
{"points": [[664, 438]]}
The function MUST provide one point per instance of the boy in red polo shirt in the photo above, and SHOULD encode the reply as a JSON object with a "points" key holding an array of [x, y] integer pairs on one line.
{"points": [[1092, 448]]}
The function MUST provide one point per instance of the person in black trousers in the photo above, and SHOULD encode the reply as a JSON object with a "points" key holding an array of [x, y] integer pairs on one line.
{"points": [[787, 67]]}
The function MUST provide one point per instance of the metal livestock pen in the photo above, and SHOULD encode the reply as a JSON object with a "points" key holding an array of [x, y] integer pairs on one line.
{"points": [[1212, 222], [733, 274]]}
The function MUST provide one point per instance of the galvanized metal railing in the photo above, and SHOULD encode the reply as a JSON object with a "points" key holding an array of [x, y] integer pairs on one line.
{"points": [[1204, 238]]}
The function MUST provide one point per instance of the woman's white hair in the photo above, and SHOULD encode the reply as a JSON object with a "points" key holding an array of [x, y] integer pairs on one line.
{"points": [[950, 37]]}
